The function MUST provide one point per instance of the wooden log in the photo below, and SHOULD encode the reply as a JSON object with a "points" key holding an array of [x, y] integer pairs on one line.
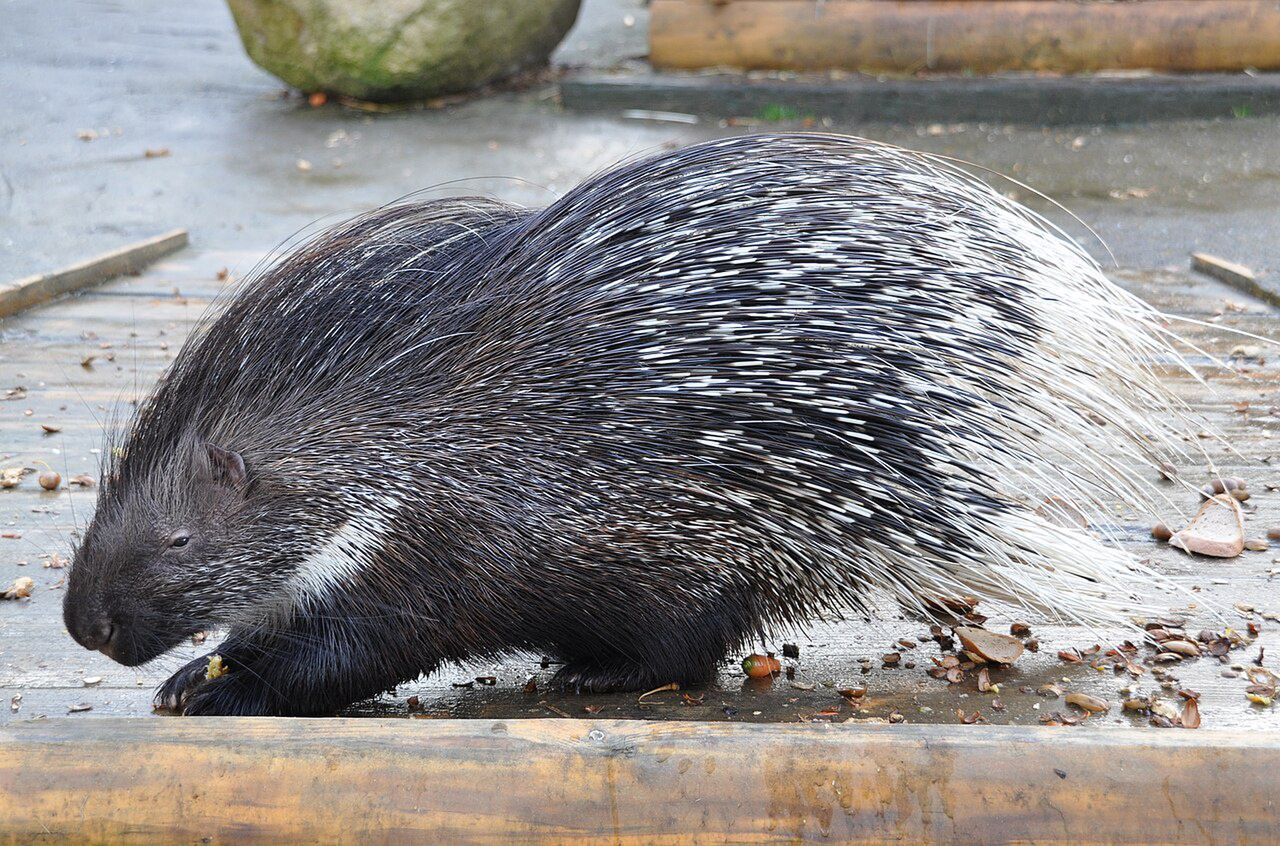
{"points": [[578, 781], [966, 36], [33, 290]]}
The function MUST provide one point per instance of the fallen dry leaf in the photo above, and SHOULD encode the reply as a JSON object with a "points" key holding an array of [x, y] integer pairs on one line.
{"points": [[21, 588]]}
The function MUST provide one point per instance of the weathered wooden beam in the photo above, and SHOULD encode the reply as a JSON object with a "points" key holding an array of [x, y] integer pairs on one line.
{"points": [[978, 36], [577, 781], [33, 290]]}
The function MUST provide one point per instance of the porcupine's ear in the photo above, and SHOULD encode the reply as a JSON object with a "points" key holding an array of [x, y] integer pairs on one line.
{"points": [[226, 465]]}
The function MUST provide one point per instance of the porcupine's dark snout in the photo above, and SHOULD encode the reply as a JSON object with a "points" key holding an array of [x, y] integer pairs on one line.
{"points": [[94, 625], [93, 631]]}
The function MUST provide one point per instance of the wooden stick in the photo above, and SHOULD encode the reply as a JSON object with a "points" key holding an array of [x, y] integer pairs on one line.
{"points": [[25, 293], [257, 780]]}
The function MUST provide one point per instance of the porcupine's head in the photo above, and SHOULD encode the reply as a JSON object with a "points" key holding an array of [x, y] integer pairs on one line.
{"points": [[170, 550], [216, 500]]}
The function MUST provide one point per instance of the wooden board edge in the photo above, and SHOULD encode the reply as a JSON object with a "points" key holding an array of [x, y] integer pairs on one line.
{"points": [[34, 290], [579, 781]]}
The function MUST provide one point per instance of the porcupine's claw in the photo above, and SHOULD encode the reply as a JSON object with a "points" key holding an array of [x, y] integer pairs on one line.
{"points": [[173, 693]]}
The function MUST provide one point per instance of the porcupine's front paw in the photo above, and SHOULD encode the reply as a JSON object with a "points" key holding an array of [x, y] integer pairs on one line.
{"points": [[235, 694], [172, 694], [191, 692]]}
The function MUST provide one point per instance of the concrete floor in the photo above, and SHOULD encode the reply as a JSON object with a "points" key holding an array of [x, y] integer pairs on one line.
{"points": [[169, 75]]}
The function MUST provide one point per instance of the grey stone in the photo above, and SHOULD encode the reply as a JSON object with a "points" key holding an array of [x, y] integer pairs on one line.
{"points": [[388, 50]]}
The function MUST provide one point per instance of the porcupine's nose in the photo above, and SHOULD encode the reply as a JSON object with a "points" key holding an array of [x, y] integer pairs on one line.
{"points": [[99, 634]]}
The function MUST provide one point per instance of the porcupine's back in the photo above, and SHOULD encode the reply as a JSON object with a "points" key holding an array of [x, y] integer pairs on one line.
{"points": [[789, 367]]}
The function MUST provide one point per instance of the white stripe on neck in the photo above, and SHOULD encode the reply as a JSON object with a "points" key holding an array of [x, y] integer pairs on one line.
{"points": [[348, 552]]}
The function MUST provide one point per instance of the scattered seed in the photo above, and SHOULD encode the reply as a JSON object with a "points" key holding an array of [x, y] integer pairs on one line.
{"points": [[50, 480], [1223, 485], [1181, 647], [1092, 704]]}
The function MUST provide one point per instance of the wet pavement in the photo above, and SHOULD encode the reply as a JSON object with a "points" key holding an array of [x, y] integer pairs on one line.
{"points": [[90, 87]]}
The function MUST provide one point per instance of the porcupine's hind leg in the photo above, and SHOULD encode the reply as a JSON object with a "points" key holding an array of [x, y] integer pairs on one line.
{"points": [[643, 653], [616, 675]]}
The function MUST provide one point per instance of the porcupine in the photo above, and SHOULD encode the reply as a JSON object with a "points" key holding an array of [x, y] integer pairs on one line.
{"points": [[703, 395]]}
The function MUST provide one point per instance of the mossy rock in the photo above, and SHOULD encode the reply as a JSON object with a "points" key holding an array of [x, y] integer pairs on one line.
{"points": [[388, 50]]}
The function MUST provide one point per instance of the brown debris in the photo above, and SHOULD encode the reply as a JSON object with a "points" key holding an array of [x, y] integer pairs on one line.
{"points": [[1085, 702], [1217, 529], [984, 645], [1184, 648], [21, 588], [1190, 714], [11, 476]]}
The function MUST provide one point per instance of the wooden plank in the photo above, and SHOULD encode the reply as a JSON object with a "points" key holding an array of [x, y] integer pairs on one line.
{"points": [[1236, 275], [33, 290], [577, 781], [978, 36]]}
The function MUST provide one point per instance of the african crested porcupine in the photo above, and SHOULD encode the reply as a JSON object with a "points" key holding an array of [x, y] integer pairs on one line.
{"points": [[703, 395]]}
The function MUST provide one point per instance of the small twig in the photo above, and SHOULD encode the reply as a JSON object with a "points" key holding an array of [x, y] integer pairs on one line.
{"points": [[665, 687], [553, 709]]}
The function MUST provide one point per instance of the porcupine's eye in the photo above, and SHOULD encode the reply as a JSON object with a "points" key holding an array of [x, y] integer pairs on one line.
{"points": [[179, 540]]}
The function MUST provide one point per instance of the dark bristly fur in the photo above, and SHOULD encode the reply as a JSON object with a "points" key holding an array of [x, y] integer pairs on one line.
{"points": [[702, 395]]}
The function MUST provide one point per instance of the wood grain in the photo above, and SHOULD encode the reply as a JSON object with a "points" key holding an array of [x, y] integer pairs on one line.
{"points": [[958, 36], [577, 781]]}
